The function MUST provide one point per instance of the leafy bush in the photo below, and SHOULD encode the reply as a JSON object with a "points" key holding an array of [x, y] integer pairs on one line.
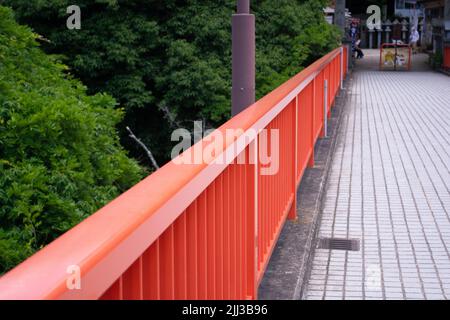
{"points": [[60, 157]]}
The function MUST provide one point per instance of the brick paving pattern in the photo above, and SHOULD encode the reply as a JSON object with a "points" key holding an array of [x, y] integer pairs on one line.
{"points": [[389, 187]]}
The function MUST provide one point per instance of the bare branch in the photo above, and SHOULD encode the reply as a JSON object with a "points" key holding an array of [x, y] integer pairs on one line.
{"points": [[147, 150], [174, 124]]}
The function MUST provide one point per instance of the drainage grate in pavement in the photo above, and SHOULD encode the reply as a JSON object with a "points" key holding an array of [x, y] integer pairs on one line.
{"points": [[339, 244]]}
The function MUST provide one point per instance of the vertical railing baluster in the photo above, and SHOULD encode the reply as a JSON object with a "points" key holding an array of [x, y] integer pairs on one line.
{"points": [[325, 109], [115, 292], [342, 68], [312, 101], [181, 273], [132, 281], [192, 253], [211, 241], [234, 230], [227, 242], [293, 211], [151, 272], [202, 247], [315, 113], [219, 225], [239, 213], [167, 265], [252, 219]]}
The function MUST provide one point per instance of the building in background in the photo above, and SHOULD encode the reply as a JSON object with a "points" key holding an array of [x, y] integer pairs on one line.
{"points": [[433, 35], [430, 17], [436, 38], [409, 9]]}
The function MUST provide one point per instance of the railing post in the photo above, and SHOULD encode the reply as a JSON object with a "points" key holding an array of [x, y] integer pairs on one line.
{"points": [[252, 220], [311, 162], [293, 211], [342, 68], [325, 109]]}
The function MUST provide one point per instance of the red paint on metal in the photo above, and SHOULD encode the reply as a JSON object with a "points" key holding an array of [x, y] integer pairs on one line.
{"points": [[203, 231], [447, 57]]}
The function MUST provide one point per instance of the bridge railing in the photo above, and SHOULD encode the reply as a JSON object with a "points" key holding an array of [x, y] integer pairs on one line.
{"points": [[195, 231]]}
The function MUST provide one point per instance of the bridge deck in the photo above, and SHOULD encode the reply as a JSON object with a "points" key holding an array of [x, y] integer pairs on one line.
{"points": [[389, 187]]}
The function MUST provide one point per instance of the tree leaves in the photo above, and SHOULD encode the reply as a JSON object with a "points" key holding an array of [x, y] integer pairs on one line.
{"points": [[158, 56], [166, 63], [60, 157]]}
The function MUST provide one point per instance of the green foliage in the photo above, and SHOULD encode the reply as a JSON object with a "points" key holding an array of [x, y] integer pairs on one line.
{"points": [[60, 157], [171, 59], [290, 36]]}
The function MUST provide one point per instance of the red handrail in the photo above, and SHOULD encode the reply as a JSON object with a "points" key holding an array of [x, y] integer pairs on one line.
{"points": [[203, 231], [447, 57]]}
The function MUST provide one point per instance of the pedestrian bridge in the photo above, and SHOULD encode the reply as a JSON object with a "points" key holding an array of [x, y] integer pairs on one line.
{"points": [[389, 187], [208, 230]]}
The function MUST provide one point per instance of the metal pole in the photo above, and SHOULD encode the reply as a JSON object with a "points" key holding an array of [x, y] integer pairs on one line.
{"points": [[325, 109], [243, 6], [339, 15], [244, 48]]}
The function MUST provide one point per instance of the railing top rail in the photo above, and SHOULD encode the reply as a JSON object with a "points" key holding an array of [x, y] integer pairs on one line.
{"points": [[107, 243]]}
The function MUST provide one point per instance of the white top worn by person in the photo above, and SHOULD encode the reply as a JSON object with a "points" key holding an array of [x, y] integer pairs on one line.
{"points": [[415, 36]]}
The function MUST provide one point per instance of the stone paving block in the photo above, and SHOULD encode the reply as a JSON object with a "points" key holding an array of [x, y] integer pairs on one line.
{"points": [[394, 296]]}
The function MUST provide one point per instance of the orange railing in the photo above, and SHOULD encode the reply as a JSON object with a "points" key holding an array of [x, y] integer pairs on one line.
{"points": [[447, 57], [203, 231]]}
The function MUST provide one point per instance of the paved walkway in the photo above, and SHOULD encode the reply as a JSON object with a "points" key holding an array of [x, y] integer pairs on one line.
{"points": [[389, 188]]}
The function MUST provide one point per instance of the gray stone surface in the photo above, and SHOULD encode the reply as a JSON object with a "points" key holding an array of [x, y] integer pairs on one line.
{"points": [[389, 187]]}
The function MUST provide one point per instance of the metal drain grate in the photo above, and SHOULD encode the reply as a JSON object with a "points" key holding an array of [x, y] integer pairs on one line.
{"points": [[339, 244]]}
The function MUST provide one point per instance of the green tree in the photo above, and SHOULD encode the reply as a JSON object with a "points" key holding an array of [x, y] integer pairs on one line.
{"points": [[60, 157], [290, 36], [168, 63]]}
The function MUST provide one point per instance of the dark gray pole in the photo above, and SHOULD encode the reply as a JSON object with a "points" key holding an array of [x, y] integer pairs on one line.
{"points": [[339, 15], [340, 21], [243, 36]]}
